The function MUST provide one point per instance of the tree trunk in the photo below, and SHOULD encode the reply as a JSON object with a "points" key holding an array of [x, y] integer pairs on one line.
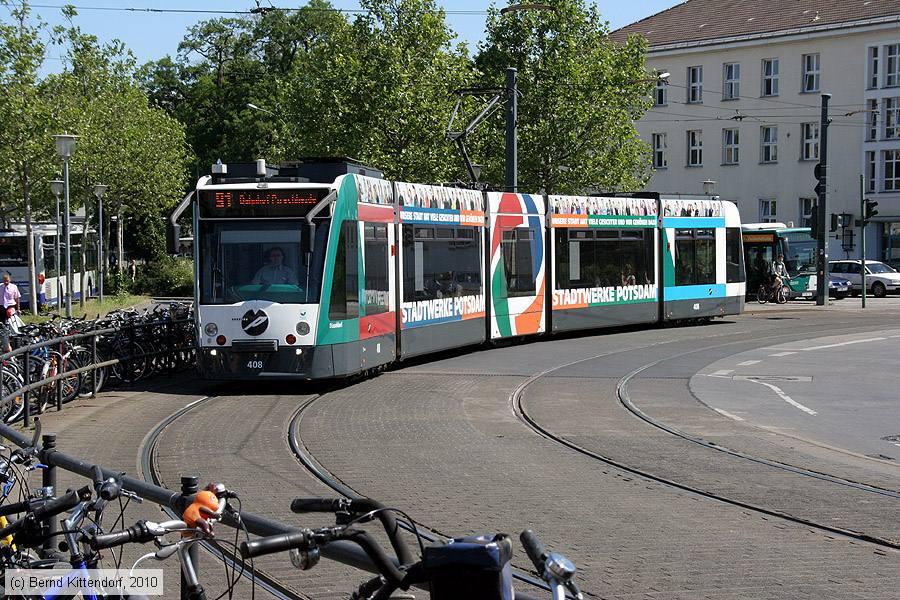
{"points": [[32, 268], [120, 239]]}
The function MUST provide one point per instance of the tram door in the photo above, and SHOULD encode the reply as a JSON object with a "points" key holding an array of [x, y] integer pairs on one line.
{"points": [[517, 265]]}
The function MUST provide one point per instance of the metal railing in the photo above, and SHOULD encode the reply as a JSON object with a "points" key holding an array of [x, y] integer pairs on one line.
{"points": [[61, 343]]}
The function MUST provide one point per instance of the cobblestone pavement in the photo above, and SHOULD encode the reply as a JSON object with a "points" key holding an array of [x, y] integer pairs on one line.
{"points": [[109, 430], [439, 439]]}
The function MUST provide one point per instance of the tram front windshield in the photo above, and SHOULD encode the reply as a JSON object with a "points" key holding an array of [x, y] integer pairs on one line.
{"points": [[260, 260]]}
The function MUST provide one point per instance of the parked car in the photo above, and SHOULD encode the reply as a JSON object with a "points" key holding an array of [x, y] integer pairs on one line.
{"points": [[838, 286], [880, 278]]}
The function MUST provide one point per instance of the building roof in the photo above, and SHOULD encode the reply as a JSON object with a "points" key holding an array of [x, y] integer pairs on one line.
{"points": [[699, 20]]}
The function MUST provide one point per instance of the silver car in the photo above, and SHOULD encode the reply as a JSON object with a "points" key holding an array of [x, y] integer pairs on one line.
{"points": [[880, 278]]}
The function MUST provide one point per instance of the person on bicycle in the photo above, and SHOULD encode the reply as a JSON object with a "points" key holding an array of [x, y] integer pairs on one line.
{"points": [[778, 272]]}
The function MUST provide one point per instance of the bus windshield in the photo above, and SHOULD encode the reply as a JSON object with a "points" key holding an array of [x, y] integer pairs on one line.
{"points": [[259, 260], [799, 252]]}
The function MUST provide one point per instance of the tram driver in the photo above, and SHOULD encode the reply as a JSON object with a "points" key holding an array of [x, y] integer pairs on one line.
{"points": [[275, 272]]}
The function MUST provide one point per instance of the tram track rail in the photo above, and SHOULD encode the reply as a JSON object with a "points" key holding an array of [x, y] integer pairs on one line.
{"points": [[150, 474], [516, 403]]}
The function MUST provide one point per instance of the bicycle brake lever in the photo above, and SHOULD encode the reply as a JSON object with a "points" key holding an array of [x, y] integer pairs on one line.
{"points": [[166, 551]]}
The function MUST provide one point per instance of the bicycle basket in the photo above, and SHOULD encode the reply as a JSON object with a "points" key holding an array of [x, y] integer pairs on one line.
{"points": [[475, 568]]}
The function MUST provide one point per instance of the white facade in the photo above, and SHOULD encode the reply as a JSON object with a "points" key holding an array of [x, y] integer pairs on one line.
{"points": [[745, 113]]}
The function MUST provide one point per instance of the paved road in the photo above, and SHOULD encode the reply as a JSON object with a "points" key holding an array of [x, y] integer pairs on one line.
{"points": [[840, 391], [440, 440]]}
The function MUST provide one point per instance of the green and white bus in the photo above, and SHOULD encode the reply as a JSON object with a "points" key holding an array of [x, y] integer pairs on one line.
{"points": [[763, 242]]}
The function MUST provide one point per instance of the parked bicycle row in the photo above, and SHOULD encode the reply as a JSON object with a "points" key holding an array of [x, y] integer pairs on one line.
{"points": [[477, 568], [60, 360]]}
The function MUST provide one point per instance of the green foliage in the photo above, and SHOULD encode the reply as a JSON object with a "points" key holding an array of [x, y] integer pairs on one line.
{"points": [[579, 96], [166, 277]]}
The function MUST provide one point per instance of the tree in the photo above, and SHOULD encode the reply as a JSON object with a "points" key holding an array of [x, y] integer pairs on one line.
{"points": [[25, 144], [136, 149], [579, 97]]}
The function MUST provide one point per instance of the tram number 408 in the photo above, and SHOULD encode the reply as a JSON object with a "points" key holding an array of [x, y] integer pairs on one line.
{"points": [[254, 364]]}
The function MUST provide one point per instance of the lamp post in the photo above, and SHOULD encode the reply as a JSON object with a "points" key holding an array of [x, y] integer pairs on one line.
{"points": [[56, 186], [99, 190], [65, 144]]}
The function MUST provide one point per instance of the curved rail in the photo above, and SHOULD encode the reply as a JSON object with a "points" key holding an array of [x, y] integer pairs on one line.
{"points": [[515, 399]]}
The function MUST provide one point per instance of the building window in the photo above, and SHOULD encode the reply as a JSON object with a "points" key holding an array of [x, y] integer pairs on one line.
{"points": [[873, 67], [807, 206], [892, 65], [770, 77], [768, 139], [871, 176], [891, 170], [660, 160], [661, 92], [891, 118], [810, 147], [730, 146], [695, 148], [811, 72], [695, 85], [872, 120], [767, 213], [732, 80]]}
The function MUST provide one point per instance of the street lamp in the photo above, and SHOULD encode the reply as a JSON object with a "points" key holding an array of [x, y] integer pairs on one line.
{"points": [[709, 186], [56, 186], [252, 106], [99, 190], [65, 144]]}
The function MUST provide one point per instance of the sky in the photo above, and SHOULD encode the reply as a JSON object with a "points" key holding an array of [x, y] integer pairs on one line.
{"points": [[152, 35]]}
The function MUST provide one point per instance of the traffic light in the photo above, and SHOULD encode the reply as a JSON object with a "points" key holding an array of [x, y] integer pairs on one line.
{"points": [[835, 222], [814, 221], [870, 209]]}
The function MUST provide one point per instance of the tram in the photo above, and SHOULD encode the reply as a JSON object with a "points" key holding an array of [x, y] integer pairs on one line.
{"points": [[319, 269]]}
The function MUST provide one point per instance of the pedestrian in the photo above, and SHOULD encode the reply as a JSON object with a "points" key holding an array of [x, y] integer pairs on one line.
{"points": [[113, 261], [132, 269], [11, 298]]}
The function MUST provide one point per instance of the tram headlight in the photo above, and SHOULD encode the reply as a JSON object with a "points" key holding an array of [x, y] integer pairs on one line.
{"points": [[303, 328], [211, 329]]}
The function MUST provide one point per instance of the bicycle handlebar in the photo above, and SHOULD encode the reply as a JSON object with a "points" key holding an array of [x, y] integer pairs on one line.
{"points": [[275, 543], [360, 506], [48, 509], [534, 549]]}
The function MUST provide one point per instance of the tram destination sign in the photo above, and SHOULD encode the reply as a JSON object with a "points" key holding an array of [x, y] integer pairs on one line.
{"points": [[295, 202]]}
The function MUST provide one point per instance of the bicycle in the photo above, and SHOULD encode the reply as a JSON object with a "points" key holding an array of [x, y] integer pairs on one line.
{"points": [[770, 293], [476, 568]]}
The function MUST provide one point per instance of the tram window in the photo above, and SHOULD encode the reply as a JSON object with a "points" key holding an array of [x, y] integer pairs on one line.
{"points": [[734, 256], [443, 233], [517, 262], [345, 284], [616, 257], [695, 256], [426, 233], [376, 292], [441, 268]]}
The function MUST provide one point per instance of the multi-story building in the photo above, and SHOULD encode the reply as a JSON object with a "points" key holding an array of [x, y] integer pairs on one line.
{"points": [[742, 107]]}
